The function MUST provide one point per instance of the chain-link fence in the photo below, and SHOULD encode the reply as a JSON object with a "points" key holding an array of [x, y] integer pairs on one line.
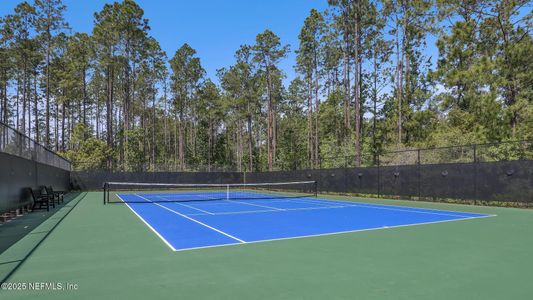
{"points": [[490, 152], [497, 173], [15, 143]]}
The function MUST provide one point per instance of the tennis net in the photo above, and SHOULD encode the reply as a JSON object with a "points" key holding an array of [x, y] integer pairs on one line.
{"points": [[133, 192]]}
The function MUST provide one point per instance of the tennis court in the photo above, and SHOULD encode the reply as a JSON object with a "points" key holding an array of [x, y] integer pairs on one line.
{"points": [[456, 252], [198, 219]]}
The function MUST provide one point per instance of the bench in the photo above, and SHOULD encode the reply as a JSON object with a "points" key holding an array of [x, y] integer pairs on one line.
{"points": [[43, 201], [56, 196]]}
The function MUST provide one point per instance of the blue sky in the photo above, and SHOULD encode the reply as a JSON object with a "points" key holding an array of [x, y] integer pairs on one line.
{"points": [[215, 28]]}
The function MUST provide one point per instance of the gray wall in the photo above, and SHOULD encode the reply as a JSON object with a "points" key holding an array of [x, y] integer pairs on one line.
{"points": [[18, 173]]}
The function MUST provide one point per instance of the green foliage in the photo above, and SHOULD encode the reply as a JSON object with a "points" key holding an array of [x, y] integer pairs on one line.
{"points": [[116, 83], [135, 150], [87, 153]]}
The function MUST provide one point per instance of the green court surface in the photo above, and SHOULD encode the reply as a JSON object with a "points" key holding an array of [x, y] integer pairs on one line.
{"points": [[109, 253]]}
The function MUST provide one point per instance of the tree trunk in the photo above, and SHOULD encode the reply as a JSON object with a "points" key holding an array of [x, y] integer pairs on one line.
{"points": [[209, 144], [270, 131], [181, 142], [84, 79], [274, 134], [97, 99], [165, 123], [317, 106], [241, 145], [375, 101], [29, 97], [405, 67], [153, 146], [357, 92], [399, 82], [125, 117], [250, 143], [310, 148], [5, 110], [109, 112], [36, 112], [56, 127], [70, 123], [346, 80], [18, 103], [175, 141], [24, 92], [47, 117], [63, 117]]}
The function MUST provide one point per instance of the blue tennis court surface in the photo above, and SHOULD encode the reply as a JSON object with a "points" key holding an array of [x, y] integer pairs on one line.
{"points": [[200, 224]]}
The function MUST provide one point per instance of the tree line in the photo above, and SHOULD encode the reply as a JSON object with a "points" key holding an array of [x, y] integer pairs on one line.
{"points": [[367, 83]]}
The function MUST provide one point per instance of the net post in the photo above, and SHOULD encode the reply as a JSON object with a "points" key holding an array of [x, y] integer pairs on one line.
{"points": [[419, 174], [316, 188]]}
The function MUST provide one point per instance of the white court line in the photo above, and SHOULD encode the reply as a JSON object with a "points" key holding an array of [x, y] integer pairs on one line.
{"points": [[397, 208], [148, 224], [257, 205], [338, 232], [185, 205], [289, 238], [379, 206], [406, 207], [365, 205], [219, 200], [268, 210], [180, 196], [194, 220]]}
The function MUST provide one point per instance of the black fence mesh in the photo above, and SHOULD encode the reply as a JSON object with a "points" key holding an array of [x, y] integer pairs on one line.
{"points": [[505, 181], [15, 143], [451, 181], [399, 180], [17, 174], [489, 172], [93, 180]]}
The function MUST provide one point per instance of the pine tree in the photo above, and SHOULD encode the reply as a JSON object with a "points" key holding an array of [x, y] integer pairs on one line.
{"points": [[49, 21], [268, 51]]}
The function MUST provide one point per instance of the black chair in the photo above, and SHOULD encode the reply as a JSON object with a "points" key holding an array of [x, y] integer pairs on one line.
{"points": [[60, 194], [56, 196], [41, 200]]}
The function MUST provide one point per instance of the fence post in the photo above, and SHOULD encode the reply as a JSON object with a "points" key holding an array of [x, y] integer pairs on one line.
{"points": [[419, 175], [475, 174], [379, 175]]}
